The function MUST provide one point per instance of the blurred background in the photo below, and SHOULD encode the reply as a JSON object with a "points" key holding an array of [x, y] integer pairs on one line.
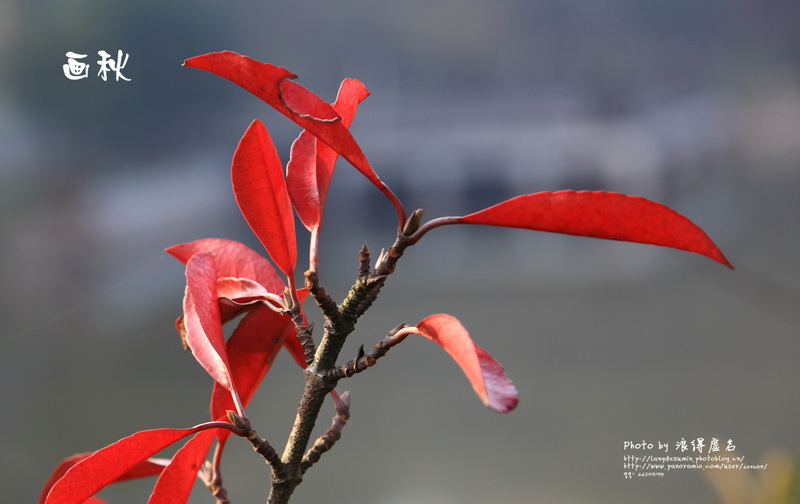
{"points": [[695, 104]]}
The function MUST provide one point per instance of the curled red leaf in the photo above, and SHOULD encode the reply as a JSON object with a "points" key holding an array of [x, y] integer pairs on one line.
{"points": [[243, 291], [232, 259], [202, 320], [260, 190], [242, 275], [487, 376], [238, 267]]}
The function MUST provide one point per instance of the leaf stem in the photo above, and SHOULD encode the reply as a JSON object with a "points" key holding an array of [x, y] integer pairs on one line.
{"points": [[431, 224]]}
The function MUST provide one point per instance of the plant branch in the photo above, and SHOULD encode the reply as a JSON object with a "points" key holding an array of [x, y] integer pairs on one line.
{"points": [[324, 301], [302, 329], [212, 478], [364, 361], [263, 448], [333, 434], [314, 393], [339, 323], [260, 445], [385, 266]]}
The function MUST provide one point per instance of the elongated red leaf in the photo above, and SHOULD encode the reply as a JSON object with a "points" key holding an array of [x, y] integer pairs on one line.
{"points": [[487, 376], [232, 259], [260, 190], [149, 467], [311, 163], [201, 318], [312, 113], [176, 482], [108, 464], [301, 180], [600, 214]]}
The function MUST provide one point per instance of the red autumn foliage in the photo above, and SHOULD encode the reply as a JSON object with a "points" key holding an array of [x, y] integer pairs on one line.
{"points": [[311, 164], [260, 189], [599, 214], [487, 376], [274, 85], [226, 280], [114, 462]]}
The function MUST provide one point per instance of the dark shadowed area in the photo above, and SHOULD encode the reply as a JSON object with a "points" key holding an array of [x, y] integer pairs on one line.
{"points": [[693, 104]]}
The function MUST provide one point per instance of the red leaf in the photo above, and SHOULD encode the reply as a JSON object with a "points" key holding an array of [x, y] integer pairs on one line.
{"points": [[241, 291], [599, 214], [311, 163], [486, 375], [201, 318], [260, 190], [149, 467], [232, 259], [294, 347], [271, 84], [304, 103], [251, 350], [107, 465], [176, 482], [302, 180]]}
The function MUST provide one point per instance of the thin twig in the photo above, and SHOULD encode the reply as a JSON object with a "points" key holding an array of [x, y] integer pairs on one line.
{"points": [[211, 475], [327, 440], [367, 360], [213, 480], [261, 446]]}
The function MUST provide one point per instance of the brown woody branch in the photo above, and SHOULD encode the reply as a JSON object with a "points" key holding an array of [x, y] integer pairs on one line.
{"points": [[321, 374], [212, 479], [302, 329], [367, 360], [261, 446], [333, 434]]}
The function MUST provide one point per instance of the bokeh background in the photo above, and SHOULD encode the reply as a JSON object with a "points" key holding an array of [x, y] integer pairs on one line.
{"points": [[692, 103]]}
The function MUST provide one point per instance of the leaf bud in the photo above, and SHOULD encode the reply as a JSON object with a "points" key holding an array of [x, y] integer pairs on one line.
{"points": [[237, 420], [412, 224]]}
